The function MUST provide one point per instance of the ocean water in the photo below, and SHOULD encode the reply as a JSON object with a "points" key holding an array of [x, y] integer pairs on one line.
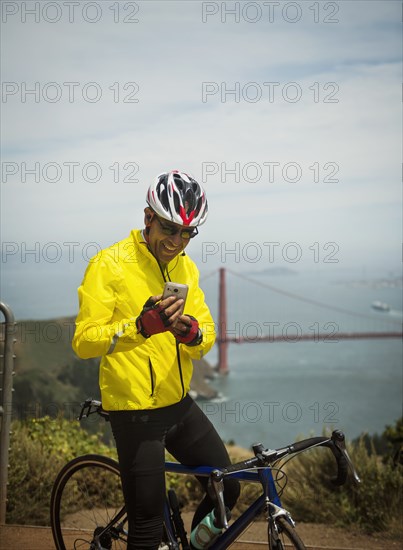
{"points": [[278, 391], [275, 391], [276, 394]]}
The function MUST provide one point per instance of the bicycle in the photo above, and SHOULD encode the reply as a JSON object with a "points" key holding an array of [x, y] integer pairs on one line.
{"points": [[88, 512]]}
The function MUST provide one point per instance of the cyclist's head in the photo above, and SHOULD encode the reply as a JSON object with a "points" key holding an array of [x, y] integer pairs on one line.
{"points": [[177, 197]]}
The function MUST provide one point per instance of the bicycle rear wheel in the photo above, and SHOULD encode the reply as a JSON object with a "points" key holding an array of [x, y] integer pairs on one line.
{"points": [[87, 506], [286, 536]]}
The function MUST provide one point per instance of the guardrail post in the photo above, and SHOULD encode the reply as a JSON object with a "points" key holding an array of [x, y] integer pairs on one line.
{"points": [[6, 389]]}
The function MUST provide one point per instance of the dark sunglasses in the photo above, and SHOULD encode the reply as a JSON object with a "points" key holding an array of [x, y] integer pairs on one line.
{"points": [[171, 230]]}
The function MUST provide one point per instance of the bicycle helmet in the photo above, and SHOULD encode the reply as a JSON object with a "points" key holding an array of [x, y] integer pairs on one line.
{"points": [[177, 197]]}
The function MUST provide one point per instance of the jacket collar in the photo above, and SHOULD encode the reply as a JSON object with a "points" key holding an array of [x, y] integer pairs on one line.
{"points": [[142, 245]]}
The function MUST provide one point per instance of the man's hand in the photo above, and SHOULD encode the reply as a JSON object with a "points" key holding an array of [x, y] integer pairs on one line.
{"points": [[158, 315], [186, 330]]}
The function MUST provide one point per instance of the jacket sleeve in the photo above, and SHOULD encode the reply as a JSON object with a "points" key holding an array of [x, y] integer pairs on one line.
{"points": [[202, 313], [99, 330]]}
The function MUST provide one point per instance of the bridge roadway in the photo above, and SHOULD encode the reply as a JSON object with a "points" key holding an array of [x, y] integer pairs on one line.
{"points": [[320, 337]]}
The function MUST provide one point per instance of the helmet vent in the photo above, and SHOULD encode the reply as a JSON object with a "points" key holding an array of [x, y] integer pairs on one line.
{"points": [[176, 202], [179, 182]]}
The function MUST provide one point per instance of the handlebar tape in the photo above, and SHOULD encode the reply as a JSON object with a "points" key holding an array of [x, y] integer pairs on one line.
{"points": [[342, 466], [302, 445]]}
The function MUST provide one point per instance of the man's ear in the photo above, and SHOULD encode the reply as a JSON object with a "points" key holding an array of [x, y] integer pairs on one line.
{"points": [[148, 216]]}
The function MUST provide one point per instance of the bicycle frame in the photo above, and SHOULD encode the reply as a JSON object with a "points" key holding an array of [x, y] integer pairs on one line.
{"points": [[263, 476]]}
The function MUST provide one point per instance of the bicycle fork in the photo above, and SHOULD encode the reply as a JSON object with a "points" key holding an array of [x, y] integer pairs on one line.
{"points": [[273, 512]]}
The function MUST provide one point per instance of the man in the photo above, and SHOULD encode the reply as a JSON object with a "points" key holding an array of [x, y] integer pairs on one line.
{"points": [[147, 345]]}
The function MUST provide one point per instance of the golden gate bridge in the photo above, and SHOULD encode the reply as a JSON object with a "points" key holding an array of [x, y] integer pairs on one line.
{"points": [[224, 339]]}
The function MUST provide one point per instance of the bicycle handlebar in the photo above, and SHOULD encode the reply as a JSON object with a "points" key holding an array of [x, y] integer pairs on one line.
{"points": [[336, 443], [343, 459]]}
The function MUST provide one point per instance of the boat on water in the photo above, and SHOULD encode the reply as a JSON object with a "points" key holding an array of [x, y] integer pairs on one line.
{"points": [[380, 306]]}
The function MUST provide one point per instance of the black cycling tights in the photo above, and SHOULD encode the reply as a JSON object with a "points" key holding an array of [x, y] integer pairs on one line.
{"points": [[141, 438]]}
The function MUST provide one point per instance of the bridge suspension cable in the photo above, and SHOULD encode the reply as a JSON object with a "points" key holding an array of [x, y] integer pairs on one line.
{"points": [[311, 301], [223, 339], [208, 275]]}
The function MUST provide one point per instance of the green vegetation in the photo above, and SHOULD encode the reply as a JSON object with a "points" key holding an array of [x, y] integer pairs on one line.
{"points": [[39, 449], [389, 444]]}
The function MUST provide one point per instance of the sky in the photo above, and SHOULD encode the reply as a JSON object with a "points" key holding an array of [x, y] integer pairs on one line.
{"points": [[288, 113]]}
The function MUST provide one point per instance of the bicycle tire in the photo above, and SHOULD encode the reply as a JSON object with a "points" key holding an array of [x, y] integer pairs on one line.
{"points": [[86, 498], [287, 534]]}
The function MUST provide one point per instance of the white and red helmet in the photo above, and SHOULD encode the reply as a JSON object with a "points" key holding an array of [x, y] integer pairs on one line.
{"points": [[177, 197]]}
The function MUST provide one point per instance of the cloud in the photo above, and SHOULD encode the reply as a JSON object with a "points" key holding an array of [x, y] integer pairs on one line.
{"points": [[343, 127]]}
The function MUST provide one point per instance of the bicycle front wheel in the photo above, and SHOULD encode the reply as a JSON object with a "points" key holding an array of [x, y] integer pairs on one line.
{"points": [[284, 537], [87, 507]]}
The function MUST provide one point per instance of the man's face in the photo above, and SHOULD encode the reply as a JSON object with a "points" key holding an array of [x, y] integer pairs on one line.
{"points": [[164, 247]]}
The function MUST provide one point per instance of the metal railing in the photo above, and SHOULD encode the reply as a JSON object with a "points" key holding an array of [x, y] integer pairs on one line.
{"points": [[6, 389]]}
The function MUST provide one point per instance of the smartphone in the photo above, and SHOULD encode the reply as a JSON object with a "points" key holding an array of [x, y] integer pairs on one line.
{"points": [[176, 289]]}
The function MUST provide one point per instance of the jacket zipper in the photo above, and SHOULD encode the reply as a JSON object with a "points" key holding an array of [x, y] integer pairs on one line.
{"points": [[177, 343], [180, 368], [151, 377]]}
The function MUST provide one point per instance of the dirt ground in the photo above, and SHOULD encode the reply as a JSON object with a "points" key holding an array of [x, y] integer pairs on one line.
{"points": [[316, 537]]}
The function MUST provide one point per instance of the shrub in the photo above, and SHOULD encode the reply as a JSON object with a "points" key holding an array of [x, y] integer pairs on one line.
{"points": [[39, 449]]}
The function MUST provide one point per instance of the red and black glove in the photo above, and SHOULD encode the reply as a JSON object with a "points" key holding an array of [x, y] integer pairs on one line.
{"points": [[152, 319], [192, 335]]}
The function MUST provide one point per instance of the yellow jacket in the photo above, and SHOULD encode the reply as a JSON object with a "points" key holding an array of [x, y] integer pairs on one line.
{"points": [[135, 372]]}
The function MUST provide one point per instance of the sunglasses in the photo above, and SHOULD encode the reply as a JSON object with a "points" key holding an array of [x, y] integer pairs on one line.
{"points": [[171, 230]]}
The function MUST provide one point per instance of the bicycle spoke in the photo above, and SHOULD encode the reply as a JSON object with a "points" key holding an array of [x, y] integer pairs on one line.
{"points": [[85, 506]]}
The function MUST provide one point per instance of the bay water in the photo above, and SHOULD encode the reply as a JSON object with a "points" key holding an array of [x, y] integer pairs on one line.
{"points": [[278, 391]]}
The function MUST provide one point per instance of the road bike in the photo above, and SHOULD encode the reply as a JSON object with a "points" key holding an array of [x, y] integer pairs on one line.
{"points": [[88, 512]]}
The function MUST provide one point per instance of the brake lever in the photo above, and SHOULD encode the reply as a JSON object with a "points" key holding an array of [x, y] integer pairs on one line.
{"points": [[340, 441]]}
